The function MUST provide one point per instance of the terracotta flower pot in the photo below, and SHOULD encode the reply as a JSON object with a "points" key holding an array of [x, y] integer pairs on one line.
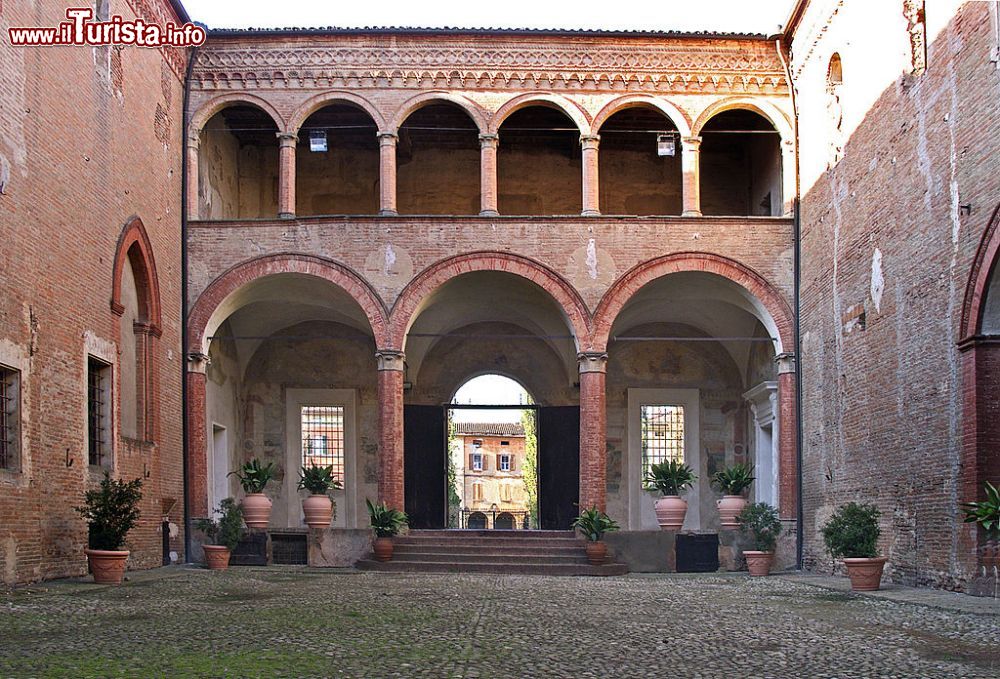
{"points": [[597, 553], [729, 508], [318, 510], [216, 557], [383, 549], [759, 563], [670, 512], [256, 510], [108, 567], [865, 574]]}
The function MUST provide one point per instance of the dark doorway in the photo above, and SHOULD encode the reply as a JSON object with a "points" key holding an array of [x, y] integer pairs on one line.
{"points": [[424, 469], [558, 466], [504, 521], [477, 521]]}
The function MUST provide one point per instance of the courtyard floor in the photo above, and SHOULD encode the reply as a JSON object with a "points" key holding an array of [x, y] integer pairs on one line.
{"points": [[297, 622]]}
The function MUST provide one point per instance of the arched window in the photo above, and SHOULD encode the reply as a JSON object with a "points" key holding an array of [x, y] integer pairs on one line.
{"points": [[835, 73]]}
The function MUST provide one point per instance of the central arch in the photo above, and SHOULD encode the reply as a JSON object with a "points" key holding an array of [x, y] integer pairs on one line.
{"points": [[407, 306]]}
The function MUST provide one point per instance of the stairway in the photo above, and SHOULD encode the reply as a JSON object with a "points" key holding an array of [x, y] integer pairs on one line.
{"points": [[513, 552]]}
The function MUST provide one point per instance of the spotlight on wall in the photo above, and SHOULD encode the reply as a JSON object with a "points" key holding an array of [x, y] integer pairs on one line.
{"points": [[665, 145], [317, 141]]}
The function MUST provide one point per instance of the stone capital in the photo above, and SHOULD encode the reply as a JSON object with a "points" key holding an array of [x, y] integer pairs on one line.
{"points": [[489, 140], [590, 141], [390, 359], [387, 138], [193, 140], [691, 143], [286, 139], [786, 362], [592, 361], [198, 362]]}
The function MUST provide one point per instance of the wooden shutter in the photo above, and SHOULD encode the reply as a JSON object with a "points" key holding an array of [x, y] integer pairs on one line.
{"points": [[498, 462], [472, 463]]}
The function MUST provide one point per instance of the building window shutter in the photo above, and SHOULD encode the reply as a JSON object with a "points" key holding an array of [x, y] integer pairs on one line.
{"points": [[512, 459], [498, 462], [471, 462]]}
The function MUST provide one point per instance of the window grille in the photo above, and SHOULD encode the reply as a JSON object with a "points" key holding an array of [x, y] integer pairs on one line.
{"points": [[323, 438], [9, 418], [662, 434], [98, 419]]}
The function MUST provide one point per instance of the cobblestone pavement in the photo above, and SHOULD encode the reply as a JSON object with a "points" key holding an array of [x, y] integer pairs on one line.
{"points": [[291, 622]]}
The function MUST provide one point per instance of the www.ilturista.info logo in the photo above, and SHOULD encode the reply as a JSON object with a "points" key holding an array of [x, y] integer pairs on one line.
{"points": [[80, 30]]}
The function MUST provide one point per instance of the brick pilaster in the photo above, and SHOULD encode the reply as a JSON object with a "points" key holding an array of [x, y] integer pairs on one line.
{"points": [[391, 367], [193, 199], [788, 479], [197, 443], [691, 176], [593, 430], [387, 173], [286, 174], [591, 175], [488, 174]]}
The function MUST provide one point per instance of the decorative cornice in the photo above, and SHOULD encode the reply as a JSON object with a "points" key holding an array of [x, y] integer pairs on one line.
{"points": [[666, 66], [157, 13]]}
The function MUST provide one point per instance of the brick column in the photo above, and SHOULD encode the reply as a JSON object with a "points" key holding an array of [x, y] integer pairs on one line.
{"points": [[593, 430], [488, 174], [591, 175], [286, 174], [387, 173], [787, 177], [691, 176], [193, 206], [788, 480], [391, 367], [197, 432]]}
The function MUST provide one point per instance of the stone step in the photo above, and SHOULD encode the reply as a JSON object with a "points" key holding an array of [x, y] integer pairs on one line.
{"points": [[498, 568], [489, 557], [524, 548], [486, 542], [467, 532]]}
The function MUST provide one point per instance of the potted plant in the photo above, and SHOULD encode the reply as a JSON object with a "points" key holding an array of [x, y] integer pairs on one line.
{"points": [[111, 512], [594, 523], [761, 523], [852, 534], [987, 514], [318, 507], [225, 533], [670, 478], [732, 481], [386, 523], [256, 506]]}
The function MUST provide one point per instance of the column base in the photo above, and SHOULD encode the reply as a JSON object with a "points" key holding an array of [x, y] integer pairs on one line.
{"points": [[692, 213], [388, 213], [590, 213], [286, 215], [489, 213]]}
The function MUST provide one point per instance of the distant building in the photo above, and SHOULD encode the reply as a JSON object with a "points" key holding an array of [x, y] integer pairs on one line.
{"points": [[489, 462]]}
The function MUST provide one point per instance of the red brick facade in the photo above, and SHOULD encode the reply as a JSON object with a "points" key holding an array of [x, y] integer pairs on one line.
{"points": [[91, 170]]}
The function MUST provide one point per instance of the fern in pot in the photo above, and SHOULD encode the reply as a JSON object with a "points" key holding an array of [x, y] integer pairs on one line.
{"points": [[593, 524], [254, 477], [224, 532], [671, 478], [852, 535], [386, 523], [761, 524], [732, 481], [318, 507]]}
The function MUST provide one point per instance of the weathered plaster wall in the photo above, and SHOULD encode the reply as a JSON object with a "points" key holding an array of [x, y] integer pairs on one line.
{"points": [[311, 361]]}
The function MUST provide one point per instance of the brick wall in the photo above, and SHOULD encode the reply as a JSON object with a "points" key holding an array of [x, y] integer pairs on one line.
{"points": [[888, 237], [88, 142]]}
